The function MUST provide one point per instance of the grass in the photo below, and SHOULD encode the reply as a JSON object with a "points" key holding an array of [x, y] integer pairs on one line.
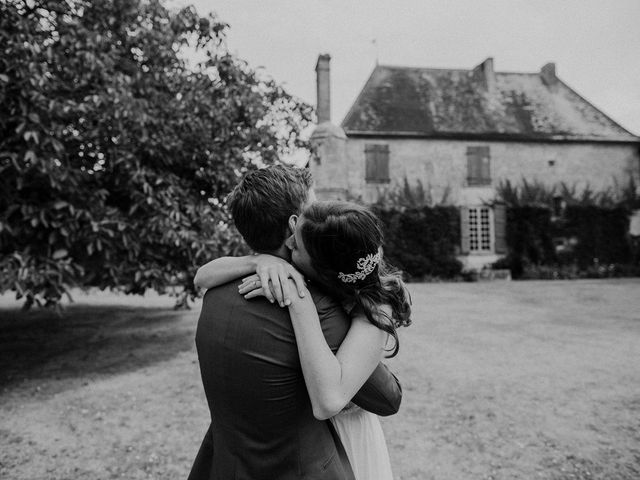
{"points": [[502, 380]]}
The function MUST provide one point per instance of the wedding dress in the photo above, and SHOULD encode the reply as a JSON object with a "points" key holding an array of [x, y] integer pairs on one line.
{"points": [[363, 439]]}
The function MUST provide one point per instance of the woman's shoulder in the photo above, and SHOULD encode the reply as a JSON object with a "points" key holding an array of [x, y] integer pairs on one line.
{"points": [[382, 312]]}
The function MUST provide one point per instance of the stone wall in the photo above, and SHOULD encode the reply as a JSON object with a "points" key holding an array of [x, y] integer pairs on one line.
{"points": [[441, 165]]}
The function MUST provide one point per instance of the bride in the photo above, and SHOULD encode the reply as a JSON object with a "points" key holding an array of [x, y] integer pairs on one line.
{"points": [[337, 245]]}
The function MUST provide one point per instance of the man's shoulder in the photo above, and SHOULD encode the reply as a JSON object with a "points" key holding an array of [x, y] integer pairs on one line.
{"points": [[225, 298], [229, 289], [228, 295]]}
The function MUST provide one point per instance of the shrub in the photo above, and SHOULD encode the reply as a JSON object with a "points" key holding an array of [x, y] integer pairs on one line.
{"points": [[422, 241], [586, 237]]}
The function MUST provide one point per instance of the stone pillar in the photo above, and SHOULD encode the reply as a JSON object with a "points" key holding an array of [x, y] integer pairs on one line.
{"points": [[329, 165]]}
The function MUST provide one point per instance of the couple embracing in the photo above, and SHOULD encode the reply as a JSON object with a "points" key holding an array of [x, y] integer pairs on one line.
{"points": [[290, 340]]}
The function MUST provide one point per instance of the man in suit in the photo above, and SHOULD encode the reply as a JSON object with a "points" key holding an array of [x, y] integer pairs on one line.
{"points": [[262, 424]]}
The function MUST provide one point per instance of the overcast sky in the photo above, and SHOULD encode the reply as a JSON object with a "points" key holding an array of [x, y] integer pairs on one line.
{"points": [[594, 43]]}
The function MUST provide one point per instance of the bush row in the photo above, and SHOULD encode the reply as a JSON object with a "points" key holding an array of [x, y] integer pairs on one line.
{"points": [[584, 241]]}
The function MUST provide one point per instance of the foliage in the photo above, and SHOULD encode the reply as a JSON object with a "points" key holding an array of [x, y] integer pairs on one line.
{"points": [[585, 241], [600, 235], [528, 193], [573, 272], [115, 152], [529, 238], [564, 232], [411, 196], [421, 241], [537, 193]]}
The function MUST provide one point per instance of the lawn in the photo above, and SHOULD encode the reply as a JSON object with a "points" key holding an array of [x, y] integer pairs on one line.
{"points": [[502, 380]]}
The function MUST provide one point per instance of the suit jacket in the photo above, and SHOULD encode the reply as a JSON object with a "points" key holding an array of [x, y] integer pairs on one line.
{"points": [[262, 425]]}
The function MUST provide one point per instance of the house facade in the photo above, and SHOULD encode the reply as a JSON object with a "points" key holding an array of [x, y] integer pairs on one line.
{"points": [[459, 133]]}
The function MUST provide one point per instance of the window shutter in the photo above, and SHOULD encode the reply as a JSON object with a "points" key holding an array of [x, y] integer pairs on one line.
{"points": [[383, 163], [464, 230], [485, 169], [472, 175], [478, 166], [376, 163], [500, 228], [370, 163]]}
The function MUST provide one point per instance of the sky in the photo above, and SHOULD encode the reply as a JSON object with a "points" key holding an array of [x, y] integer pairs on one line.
{"points": [[594, 43]]}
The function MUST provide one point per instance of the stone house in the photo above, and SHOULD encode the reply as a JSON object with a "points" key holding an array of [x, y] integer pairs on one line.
{"points": [[460, 133]]}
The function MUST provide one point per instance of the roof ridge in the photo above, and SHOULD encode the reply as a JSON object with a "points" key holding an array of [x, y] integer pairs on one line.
{"points": [[537, 74], [443, 69], [407, 67]]}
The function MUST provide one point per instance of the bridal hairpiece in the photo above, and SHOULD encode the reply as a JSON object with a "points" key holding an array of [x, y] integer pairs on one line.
{"points": [[364, 267]]}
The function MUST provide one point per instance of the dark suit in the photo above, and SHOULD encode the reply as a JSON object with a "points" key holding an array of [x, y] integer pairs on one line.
{"points": [[262, 425]]}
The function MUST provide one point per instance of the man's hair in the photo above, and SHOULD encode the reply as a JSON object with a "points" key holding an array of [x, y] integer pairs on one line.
{"points": [[263, 201]]}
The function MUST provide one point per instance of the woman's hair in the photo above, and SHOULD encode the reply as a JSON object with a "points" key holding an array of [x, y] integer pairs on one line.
{"points": [[344, 241]]}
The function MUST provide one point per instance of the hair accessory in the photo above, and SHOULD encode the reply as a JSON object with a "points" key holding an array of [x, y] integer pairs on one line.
{"points": [[364, 267]]}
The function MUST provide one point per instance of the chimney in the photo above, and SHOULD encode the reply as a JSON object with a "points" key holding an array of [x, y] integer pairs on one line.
{"points": [[323, 77], [548, 74], [485, 73]]}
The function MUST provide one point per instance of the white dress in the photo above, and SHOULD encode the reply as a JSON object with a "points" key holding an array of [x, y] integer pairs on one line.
{"points": [[363, 439]]}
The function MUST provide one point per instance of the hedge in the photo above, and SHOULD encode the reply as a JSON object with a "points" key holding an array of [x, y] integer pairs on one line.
{"points": [[422, 241], [585, 241]]}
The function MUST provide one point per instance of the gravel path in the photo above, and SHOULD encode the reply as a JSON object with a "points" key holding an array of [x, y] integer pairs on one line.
{"points": [[502, 380]]}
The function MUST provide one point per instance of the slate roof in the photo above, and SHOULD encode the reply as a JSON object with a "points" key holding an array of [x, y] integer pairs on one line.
{"points": [[443, 103]]}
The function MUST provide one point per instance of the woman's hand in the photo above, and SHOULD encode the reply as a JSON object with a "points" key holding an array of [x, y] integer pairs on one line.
{"points": [[274, 273], [251, 287]]}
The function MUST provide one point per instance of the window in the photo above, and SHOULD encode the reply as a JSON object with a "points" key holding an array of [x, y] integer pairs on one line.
{"points": [[479, 229], [376, 163], [478, 166], [483, 229]]}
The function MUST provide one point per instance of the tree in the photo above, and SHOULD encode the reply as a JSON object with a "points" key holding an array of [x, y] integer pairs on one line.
{"points": [[115, 152]]}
